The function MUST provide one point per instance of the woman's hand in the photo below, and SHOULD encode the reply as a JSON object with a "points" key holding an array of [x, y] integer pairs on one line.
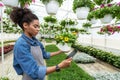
{"points": [[65, 63]]}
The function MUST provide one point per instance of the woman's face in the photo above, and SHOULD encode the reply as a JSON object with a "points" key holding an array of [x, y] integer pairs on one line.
{"points": [[32, 29]]}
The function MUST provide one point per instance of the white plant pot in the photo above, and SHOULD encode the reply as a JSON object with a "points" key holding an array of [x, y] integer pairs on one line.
{"points": [[12, 3], [52, 7], [82, 12], [107, 18], [64, 47], [93, 21]]}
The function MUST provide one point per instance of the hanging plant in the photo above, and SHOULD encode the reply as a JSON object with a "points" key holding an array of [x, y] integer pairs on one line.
{"points": [[47, 1], [104, 10], [51, 19], [109, 29], [86, 25], [68, 22], [82, 3]]}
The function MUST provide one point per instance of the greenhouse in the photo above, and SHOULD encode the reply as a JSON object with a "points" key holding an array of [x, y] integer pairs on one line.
{"points": [[59, 40]]}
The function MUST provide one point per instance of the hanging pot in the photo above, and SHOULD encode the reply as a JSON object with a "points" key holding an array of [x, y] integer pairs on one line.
{"points": [[82, 12], [52, 7], [64, 47], [93, 21], [107, 18], [12, 3]]}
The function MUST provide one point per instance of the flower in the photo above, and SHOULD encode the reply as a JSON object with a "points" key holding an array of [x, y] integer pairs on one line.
{"points": [[109, 29], [65, 37]]}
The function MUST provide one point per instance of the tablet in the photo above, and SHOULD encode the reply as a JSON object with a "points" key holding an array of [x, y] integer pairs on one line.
{"points": [[71, 54]]}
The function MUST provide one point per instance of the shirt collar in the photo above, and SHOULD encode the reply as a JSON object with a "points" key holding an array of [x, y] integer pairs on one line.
{"points": [[32, 41]]}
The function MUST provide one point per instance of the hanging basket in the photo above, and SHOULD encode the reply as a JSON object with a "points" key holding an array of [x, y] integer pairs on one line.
{"points": [[52, 7], [12, 3], [93, 21], [64, 47], [107, 18], [82, 12]]}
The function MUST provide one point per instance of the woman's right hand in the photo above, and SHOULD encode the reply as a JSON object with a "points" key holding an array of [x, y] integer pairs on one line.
{"points": [[65, 63]]}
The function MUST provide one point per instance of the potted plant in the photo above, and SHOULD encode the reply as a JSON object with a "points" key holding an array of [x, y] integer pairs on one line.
{"points": [[105, 13], [50, 20], [82, 8], [99, 2], [68, 23], [109, 29], [52, 5], [65, 40], [86, 25]]}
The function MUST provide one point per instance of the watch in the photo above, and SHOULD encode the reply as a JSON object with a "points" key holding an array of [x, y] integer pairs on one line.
{"points": [[57, 68]]}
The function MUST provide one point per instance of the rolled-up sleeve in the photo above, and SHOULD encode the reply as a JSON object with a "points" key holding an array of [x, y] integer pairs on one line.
{"points": [[46, 55], [27, 62]]}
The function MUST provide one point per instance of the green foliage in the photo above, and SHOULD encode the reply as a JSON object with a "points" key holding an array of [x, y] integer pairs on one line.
{"points": [[99, 2], [68, 22], [101, 12], [86, 25], [108, 57], [9, 27], [51, 19], [47, 1], [4, 78], [8, 10], [72, 73], [74, 30], [116, 11], [91, 15], [23, 2], [82, 3]]}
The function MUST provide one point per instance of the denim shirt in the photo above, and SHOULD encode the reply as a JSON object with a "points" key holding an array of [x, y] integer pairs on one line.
{"points": [[24, 62]]}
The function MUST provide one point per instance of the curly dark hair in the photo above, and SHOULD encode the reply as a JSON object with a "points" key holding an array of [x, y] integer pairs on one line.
{"points": [[21, 15]]}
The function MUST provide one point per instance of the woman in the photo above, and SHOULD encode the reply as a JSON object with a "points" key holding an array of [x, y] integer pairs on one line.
{"points": [[29, 53]]}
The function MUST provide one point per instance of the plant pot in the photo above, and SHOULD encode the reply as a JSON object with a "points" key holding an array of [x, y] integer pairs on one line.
{"points": [[107, 18], [93, 21], [82, 12], [52, 7], [64, 47], [12, 3]]}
